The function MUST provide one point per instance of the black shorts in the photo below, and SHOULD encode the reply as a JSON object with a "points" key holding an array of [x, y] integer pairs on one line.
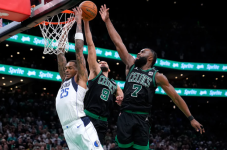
{"points": [[133, 131], [101, 128]]}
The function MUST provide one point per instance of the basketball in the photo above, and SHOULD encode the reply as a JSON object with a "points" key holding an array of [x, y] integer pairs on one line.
{"points": [[89, 10]]}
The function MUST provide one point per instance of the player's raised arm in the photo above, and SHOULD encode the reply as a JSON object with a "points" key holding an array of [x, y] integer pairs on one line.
{"points": [[79, 46], [61, 56], [92, 58], [162, 81], [61, 65], [115, 37]]}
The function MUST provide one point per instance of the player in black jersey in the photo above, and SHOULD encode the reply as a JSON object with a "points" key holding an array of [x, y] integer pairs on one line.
{"points": [[141, 82], [99, 98]]}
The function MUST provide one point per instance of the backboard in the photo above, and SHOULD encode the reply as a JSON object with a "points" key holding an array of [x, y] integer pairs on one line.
{"points": [[43, 9]]}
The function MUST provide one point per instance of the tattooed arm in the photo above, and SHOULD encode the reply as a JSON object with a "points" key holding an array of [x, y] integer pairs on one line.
{"points": [[82, 75], [61, 56], [61, 65], [61, 47]]}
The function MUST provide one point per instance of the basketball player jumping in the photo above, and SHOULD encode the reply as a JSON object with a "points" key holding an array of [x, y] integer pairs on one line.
{"points": [[141, 82], [99, 98], [79, 131]]}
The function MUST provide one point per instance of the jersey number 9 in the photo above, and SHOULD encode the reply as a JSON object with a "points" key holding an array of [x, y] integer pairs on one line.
{"points": [[105, 94]]}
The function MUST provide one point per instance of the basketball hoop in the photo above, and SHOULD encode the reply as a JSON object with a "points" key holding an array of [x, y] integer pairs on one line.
{"points": [[55, 34]]}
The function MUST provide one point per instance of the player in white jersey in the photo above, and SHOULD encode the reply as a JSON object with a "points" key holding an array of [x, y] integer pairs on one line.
{"points": [[79, 131]]}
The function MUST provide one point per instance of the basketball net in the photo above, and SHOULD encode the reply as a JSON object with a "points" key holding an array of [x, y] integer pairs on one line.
{"points": [[55, 34]]}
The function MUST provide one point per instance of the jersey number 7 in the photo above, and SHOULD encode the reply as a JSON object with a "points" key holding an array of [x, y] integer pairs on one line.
{"points": [[137, 89]]}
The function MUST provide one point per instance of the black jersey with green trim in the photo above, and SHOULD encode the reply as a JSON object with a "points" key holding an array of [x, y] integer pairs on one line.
{"points": [[100, 95], [139, 89]]}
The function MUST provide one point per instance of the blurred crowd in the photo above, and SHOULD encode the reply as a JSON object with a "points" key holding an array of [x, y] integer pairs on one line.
{"points": [[28, 121]]}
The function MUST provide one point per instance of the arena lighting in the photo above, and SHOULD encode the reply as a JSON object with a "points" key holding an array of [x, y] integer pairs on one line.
{"points": [[174, 106], [203, 75], [44, 88], [54, 76], [21, 80], [11, 55], [111, 54], [18, 53], [3, 77], [16, 87], [174, 2], [186, 78], [10, 81], [181, 74], [11, 88], [4, 84], [222, 76], [31, 49], [216, 79], [98, 60], [201, 4], [24, 58], [43, 57], [175, 77], [117, 63], [7, 45], [207, 101]]}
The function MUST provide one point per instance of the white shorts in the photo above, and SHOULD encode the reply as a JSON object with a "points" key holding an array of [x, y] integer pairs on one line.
{"points": [[81, 135]]}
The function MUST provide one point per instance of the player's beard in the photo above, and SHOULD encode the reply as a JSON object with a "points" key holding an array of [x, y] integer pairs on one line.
{"points": [[104, 69], [140, 62]]}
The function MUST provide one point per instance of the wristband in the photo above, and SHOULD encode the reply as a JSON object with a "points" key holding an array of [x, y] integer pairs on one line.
{"points": [[190, 118], [79, 36]]}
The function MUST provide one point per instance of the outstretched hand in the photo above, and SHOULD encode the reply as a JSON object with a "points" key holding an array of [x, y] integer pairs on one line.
{"points": [[198, 127], [104, 12], [119, 100], [78, 14]]}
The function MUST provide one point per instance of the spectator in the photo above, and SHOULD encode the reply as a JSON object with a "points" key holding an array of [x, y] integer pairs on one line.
{"points": [[20, 144], [36, 141], [12, 137], [108, 137], [107, 146], [169, 131], [56, 139], [0, 127], [39, 122]]}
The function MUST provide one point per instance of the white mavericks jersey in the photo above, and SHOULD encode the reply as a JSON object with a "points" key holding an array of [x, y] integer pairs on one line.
{"points": [[70, 102]]}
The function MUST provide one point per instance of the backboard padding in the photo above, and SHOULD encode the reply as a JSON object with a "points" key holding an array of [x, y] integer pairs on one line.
{"points": [[49, 9]]}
